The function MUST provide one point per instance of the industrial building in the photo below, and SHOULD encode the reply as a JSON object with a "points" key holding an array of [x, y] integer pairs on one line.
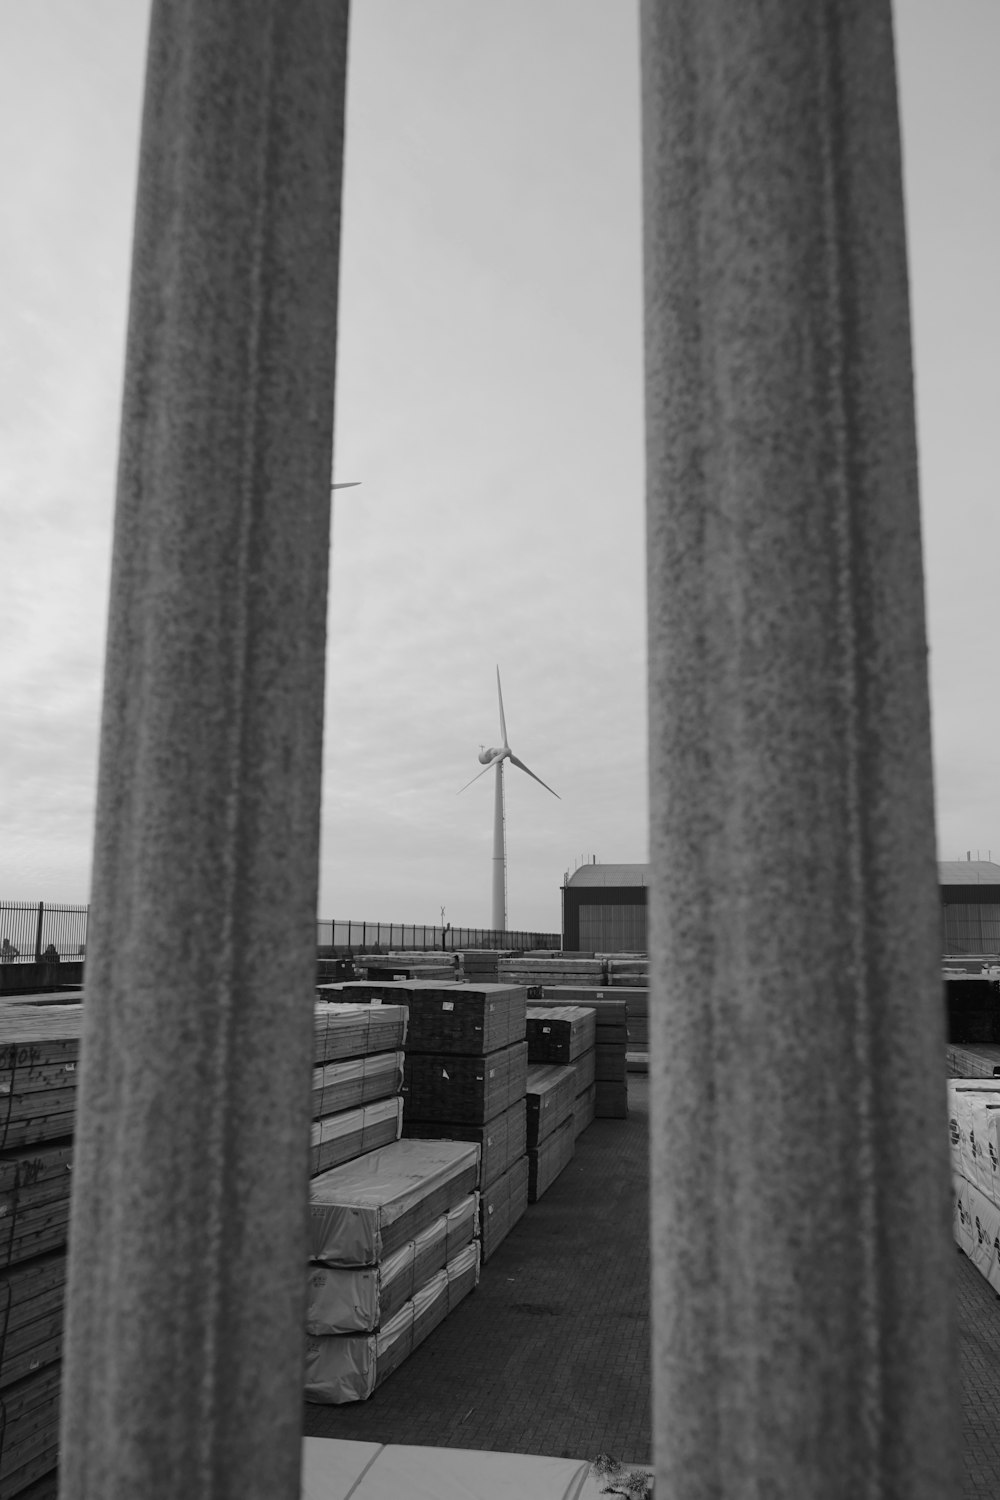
{"points": [[970, 907], [604, 908]]}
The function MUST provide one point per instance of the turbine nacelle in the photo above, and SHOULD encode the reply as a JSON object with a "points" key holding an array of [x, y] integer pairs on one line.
{"points": [[486, 756]]}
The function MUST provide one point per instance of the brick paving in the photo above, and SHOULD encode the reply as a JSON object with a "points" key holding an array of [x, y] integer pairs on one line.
{"points": [[551, 1353]]}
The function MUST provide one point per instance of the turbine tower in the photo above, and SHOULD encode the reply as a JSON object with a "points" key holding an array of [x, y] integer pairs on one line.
{"points": [[493, 758]]}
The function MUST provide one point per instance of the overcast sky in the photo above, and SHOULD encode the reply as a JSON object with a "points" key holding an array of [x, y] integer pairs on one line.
{"points": [[489, 398]]}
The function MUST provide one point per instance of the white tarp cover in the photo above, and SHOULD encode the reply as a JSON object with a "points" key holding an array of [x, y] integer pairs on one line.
{"points": [[985, 1252], [350, 1299], [337, 1470], [347, 1367], [354, 1121], [350, 1205], [962, 1226], [352, 1072], [960, 1092]]}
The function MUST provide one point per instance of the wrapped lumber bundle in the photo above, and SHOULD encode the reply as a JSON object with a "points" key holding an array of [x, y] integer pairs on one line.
{"points": [[375, 991], [560, 970], [977, 1229], [501, 1140], [339, 1086], [439, 966], [585, 1068], [560, 1033], [550, 1097], [502, 1203], [360, 1299], [550, 1157], [611, 1042], [364, 1210], [342, 1137], [584, 1109], [348, 1367], [464, 1090], [466, 1019], [631, 970], [39, 1050], [970, 1061], [29, 1430], [343, 1030], [31, 1316], [479, 965]]}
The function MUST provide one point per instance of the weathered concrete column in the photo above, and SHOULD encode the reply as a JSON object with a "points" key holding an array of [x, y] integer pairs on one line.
{"points": [[800, 1205], [183, 1363]]}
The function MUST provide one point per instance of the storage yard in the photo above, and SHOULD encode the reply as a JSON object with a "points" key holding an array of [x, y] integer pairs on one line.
{"points": [[479, 1258], [446, 1109]]}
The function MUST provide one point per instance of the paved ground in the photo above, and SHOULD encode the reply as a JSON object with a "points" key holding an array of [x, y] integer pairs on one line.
{"points": [[550, 1354]]}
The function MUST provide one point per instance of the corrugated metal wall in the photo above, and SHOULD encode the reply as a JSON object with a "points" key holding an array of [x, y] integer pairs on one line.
{"points": [[612, 929], [971, 927]]}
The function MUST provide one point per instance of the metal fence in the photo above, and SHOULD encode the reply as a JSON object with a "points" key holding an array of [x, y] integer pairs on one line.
{"points": [[396, 936], [28, 928]]}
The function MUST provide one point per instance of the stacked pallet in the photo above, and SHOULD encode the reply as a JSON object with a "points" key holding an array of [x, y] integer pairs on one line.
{"points": [[626, 971], [464, 1079], [974, 1126], [567, 1034], [39, 1051], [392, 1251], [611, 1044], [533, 971], [551, 1100], [430, 965], [479, 965], [357, 1081]]}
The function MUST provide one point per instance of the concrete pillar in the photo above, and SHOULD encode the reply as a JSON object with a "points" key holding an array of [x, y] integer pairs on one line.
{"points": [[803, 1341], [182, 1373]]}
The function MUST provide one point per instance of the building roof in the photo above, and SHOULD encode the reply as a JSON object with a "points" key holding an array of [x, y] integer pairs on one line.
{"points": [[950, 872], [617, 875], [968, 872]]}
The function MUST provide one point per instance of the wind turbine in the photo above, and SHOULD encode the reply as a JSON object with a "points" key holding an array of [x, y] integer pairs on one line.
{"points": [[494, 758]]}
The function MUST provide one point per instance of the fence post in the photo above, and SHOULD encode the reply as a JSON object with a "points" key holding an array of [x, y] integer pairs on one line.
{"points": [[38, 933]]}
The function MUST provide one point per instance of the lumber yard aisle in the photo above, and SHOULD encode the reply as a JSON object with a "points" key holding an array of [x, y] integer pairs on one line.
{"points": [[550, 1354]]}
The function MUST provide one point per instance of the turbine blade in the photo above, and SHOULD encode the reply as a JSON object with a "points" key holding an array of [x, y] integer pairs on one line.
{"points": [[349, 484], [503, 725], [488, 767], [522, 767]]}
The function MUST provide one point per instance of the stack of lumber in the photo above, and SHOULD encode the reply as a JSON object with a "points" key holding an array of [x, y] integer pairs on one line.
{"points": [[431, 965], [532, 971], [374, 991], [629, 971], [39, 1051], [357, 1081], [464, 1079], [974, 1127], [611, 1044], [479, 965], [551, 1097], [392, 1251], [567, 1034], [978, 1060]]}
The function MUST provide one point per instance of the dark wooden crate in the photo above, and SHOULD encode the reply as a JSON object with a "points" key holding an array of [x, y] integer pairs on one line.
{"points": [[466, 1019], [560, 1033], [463, 1090], [584, 1109], [550, 1096], [612, 1100], [549, 1158]]}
